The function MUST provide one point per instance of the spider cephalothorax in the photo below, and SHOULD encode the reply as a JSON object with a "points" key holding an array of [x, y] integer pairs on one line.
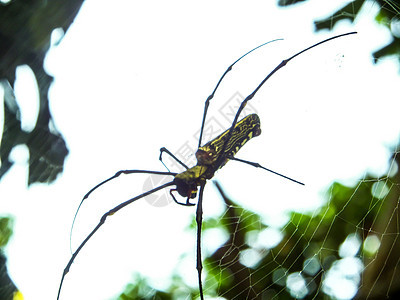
{"points": [[187, 183]]}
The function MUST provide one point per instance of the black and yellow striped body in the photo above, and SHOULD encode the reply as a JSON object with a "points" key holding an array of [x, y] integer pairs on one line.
{"points": [[244, 130], [215, 154]]}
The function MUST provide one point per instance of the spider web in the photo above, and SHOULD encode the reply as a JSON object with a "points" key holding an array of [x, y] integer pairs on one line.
{"points": [[343, 248]]}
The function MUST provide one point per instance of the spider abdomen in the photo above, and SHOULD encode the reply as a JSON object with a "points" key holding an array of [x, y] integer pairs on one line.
{"points": [[243, 131]]}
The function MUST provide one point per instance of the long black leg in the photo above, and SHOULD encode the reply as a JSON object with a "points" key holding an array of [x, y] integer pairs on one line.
{"points": [[199, 221], [107, 180], [278, 67], [207, 103], [163, 149], [257, 165], [102, 221]]}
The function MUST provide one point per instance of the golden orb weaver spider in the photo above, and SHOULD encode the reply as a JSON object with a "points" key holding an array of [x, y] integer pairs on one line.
{"points": [[210, 157]]}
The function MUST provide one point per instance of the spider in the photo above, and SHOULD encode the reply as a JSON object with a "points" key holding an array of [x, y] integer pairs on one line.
{"points": [[210, 157]]}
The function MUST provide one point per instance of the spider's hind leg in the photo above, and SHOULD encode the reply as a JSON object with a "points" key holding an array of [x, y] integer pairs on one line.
{"points": [[257, 165], [207, 103], [277, 68]]}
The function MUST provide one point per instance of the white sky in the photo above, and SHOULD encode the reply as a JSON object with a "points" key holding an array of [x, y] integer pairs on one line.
{"points": [[132, 76]]}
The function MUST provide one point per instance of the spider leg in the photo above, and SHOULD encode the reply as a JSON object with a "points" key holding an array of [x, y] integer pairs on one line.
{"points": [[107, 180], [278, 67], [207, 103], [199, 221], [180, 203], [257, 165], [163, 149], [102, 221]]}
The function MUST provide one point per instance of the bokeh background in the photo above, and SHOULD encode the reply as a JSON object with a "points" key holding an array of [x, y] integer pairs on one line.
{"points": [[93, 87]]}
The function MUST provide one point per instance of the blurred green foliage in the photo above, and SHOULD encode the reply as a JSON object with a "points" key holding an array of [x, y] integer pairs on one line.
{"points": [[25, 35], [6, 224], [7, 287], [311, 246]]}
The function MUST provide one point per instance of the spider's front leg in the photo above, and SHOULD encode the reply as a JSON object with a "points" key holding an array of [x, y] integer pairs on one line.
{"points": [[199, 221]]}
